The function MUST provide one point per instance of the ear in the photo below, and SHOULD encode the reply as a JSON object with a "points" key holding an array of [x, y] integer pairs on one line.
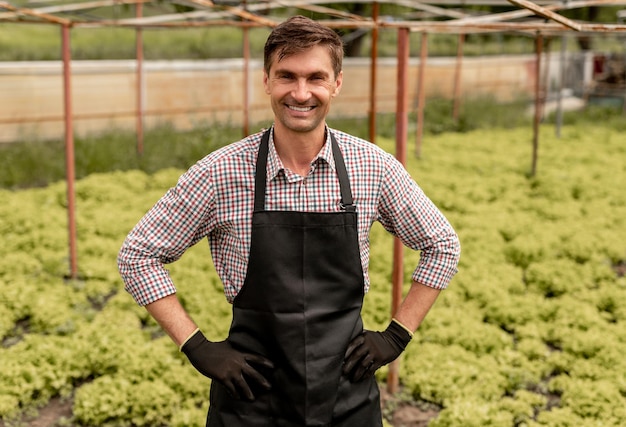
{"points": [[338, 83], [265, 82]]}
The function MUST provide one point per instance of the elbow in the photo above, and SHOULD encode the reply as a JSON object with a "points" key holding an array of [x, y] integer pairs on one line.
{"points": [[123, 264], [456, 248]]}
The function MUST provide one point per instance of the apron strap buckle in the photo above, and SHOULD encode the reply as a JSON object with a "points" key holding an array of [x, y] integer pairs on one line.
{"points": [[349, 207]]}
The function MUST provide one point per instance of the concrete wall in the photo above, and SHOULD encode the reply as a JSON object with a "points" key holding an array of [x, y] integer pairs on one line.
{"points": [[186, 93]]}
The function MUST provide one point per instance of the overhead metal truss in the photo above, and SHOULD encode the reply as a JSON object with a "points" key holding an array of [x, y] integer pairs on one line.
{"points": [[435, 16]]}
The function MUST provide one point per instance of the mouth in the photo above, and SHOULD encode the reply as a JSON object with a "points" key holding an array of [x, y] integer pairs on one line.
{"points": [[301, 109]]}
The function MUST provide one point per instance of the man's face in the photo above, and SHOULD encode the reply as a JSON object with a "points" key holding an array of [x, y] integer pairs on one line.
{"points": [[301, 87]]}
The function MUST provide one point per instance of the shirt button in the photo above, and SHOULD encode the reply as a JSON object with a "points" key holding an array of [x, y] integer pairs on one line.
{"points": [[304, 181]]}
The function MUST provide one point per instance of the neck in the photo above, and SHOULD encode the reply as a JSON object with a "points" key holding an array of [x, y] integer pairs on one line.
{"points": [[298, 149]]}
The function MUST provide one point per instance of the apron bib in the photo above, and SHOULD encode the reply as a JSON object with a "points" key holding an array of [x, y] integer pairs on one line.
{"points": [[300, 306]]}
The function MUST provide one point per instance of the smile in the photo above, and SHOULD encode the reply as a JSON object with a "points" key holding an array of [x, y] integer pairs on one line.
{"points": [[300, 109]]}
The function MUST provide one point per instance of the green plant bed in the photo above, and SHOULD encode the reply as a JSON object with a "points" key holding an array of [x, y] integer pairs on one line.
{"points": [[531, 332]]}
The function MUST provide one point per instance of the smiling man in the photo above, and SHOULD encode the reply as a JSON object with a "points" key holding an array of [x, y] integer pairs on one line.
{"points": [[301, 87], [287, 213]]}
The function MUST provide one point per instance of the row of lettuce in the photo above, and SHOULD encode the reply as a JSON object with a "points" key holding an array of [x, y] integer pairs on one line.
{"points": [[530, 333]]}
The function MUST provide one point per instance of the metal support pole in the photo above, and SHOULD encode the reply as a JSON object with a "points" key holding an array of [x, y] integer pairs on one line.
{"points": [[69, 150], [246, 78], [421, 95], [457, 78], [624, 100], [139, 81], [397, 274], [538, 103], [559, 95], [373, 68]]}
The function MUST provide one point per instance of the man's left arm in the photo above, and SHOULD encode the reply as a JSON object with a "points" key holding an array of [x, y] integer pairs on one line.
{"points": [[373, 349], [418, 301], [410, 215]]}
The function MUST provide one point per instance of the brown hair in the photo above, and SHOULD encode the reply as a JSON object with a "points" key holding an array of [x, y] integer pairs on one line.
{"points": [[298, 34]]}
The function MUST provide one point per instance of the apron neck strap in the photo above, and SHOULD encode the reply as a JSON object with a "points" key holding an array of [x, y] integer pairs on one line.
{"points": [[261, 175]]}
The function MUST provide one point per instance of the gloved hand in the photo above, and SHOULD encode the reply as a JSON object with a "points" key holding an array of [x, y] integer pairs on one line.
{"points": [[231, 368], [371, 350]]}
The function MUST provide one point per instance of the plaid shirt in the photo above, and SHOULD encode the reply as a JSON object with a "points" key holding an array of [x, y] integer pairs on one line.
{"points": [[215, 199]]}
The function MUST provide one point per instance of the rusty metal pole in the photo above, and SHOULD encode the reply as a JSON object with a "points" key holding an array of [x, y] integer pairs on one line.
{"points": [[246, 81], [69, 150], [397, 274], [246, 78], [457, 78], [139, 81], [538, 103], [559, 95], [373, 68], [421, 95]]}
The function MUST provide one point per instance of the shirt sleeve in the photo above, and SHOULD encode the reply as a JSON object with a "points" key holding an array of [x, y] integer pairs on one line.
{"points": [[176, 222], [407, 212]]}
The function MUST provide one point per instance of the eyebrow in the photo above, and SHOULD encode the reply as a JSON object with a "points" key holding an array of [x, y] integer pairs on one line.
{"points": [[319, 73]]}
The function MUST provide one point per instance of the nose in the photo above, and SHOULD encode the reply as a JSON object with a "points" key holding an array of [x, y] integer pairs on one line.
{"points": [[300, 91]]}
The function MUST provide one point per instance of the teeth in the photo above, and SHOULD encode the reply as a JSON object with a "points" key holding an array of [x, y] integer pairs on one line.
{"points": [[300, 109]]}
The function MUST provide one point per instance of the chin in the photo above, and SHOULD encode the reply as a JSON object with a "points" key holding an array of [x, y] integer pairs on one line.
{"points": [[301, 127]]}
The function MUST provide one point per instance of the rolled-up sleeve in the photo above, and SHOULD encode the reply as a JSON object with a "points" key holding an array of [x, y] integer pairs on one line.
{"points": [[176, 222], [410, 215]]}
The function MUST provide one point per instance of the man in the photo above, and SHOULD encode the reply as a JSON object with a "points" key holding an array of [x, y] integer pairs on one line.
{"points": [[287, 214]]}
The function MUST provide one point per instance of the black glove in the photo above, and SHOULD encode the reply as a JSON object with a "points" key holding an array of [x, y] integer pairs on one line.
{"points": [[371, 350], [231, 368]]}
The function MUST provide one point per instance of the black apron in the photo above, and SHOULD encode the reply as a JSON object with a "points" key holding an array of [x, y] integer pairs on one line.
{"points": [[300, 306]]}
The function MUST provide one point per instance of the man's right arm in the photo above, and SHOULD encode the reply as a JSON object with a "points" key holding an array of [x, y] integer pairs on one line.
{"points": [[177, 221], [236, 370]]}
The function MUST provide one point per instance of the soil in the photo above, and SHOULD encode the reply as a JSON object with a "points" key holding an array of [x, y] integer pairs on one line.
{"points": [[400, 413], [406, 413], [50, 415], [620, 269]]}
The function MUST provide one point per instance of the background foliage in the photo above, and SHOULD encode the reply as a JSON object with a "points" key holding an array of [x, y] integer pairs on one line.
{"points": [[35, 162], [530, 333]]}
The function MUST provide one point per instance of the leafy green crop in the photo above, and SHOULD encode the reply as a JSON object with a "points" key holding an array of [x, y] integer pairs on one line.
{"points": [[530, 332]]}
